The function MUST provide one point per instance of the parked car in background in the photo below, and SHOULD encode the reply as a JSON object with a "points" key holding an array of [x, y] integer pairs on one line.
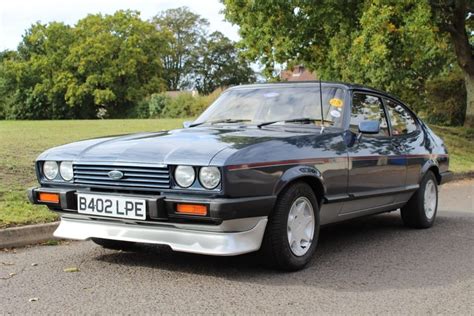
{"points": [[262, 169]]}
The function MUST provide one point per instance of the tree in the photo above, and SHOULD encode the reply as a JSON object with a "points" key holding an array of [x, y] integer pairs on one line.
{"points": [[115, 62], [388, 44], [187, 29], [216, 63], [396, 48], [105, 63], [291, 31], [30, 74], [456, 17], [110, 65], [6, 88]]}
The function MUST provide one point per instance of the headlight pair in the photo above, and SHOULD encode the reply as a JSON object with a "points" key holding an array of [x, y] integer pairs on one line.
{"points": [[209, 177], [51, 169]]}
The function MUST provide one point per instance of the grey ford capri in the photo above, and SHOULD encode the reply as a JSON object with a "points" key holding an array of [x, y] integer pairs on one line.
{"points": [[262, 169]]}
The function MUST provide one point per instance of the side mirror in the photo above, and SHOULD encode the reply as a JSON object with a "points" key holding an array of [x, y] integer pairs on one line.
{"points": [[187, 124], [369, 127]]}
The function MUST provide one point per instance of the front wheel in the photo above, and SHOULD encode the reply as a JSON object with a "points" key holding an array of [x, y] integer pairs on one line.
{"points": [[421, 209], [292, 231]]}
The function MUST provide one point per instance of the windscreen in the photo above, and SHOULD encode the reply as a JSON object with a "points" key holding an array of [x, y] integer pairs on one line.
{"points": [[258, 105]]}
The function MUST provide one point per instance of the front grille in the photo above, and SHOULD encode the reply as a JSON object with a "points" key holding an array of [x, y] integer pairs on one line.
{"points": [[134, 176]]}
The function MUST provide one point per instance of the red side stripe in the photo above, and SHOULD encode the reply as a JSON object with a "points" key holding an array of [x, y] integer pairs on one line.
{"points": [[325, 160]]}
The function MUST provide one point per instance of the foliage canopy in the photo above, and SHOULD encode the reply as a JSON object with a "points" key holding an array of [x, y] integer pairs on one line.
{"points": [[110, 65], [395, 46]]}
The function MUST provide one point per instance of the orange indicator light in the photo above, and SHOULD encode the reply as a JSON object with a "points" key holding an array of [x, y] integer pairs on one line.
{"points": [[48, 197], [191, 209]]}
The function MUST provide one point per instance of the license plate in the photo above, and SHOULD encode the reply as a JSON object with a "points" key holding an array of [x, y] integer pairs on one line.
{"points": [[111, 206]]}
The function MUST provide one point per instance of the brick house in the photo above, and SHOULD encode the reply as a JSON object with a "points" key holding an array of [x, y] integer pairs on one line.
{"points": [[297, 73]]}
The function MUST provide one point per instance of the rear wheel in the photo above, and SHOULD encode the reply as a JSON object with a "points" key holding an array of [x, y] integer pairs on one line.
{"points": [[292, 231], [115, 244], [421, 209]]}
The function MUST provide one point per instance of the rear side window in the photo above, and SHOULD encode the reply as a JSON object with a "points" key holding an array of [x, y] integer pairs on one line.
{"points": [[401, 120], [368, 108]]}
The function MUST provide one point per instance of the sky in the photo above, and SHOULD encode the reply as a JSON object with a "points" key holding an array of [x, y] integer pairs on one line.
{"points": [[18, 15]]}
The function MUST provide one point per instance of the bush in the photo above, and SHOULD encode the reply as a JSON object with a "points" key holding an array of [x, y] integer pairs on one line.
{"points": [[156, 104], [160, 105], [151, 106], [446, 100], [180, 106], [202, 102]]}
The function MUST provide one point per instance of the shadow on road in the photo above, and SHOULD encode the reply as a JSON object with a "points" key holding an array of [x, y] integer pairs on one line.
{"points": [[367, 254]]}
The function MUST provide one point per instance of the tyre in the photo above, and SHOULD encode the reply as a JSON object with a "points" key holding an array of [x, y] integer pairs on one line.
{"points": [[421, 209], [115, 244], [292, 231]]}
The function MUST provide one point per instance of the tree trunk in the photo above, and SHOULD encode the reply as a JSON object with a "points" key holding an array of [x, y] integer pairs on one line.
{"points": [[463, 51], [469, 120]]}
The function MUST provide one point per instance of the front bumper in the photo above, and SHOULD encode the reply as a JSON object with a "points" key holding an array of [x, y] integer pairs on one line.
{"points": [[163, 207], [231, 227], [178, 238]]}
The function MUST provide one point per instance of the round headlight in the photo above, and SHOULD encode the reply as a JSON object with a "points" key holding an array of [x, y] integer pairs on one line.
{"points": [[65, 169], [210, 177], [184, 176], [50, 169]]}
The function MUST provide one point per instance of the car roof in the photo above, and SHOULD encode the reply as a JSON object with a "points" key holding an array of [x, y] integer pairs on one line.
{"points": [[345, 85]]}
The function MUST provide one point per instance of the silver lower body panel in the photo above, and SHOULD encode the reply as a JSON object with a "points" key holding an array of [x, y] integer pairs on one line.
{"points": [[179, 238]]}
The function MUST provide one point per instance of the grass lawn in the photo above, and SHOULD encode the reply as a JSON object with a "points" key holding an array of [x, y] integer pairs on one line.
{"points": [[460, 143], [22, 141]]}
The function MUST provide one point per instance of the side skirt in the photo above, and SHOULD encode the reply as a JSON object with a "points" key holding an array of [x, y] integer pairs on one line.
{"points": [[328, 218], [332, 210]]}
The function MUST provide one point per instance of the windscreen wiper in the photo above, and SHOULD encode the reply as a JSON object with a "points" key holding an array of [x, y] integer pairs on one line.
{"points": [[306, 120], [220, 121]]}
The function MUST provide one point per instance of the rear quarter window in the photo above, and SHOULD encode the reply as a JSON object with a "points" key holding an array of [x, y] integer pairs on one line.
{"points": [[401, 120]]}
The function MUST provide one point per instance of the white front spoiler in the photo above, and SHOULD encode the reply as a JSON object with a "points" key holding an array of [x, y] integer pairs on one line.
{"points": [[179, 239]]}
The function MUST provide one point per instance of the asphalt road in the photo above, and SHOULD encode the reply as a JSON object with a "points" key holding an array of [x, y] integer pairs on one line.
{"points": [[372, 265]]}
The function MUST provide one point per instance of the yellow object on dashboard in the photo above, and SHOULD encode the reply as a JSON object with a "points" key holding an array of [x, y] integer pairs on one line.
{"points": [[338, 103]]}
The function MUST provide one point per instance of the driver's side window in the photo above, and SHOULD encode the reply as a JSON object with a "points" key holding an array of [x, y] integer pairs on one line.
{"points": [[367, 107]]}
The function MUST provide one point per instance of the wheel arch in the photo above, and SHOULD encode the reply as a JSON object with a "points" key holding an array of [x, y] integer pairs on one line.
{"points": [[308, 174], [431, 165]]}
